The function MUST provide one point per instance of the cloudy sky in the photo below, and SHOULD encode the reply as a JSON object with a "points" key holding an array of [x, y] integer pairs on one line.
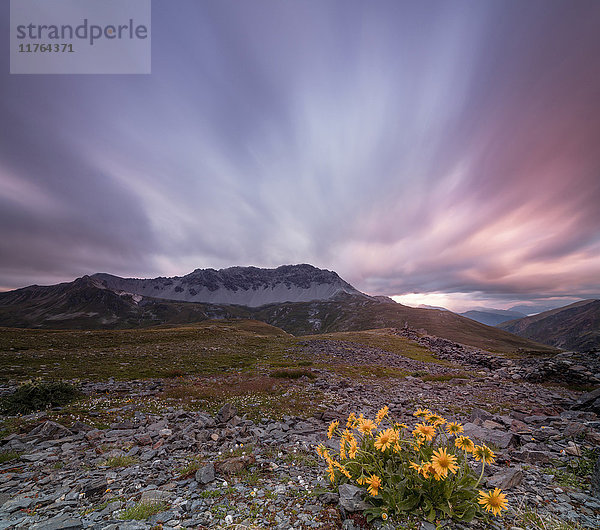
{"points": [[444, 151]]}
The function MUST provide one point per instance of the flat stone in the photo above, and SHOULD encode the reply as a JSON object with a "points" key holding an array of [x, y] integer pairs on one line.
{"points": [[50, 430], [506, 480], [156, 496], [501, 439], [94, 487], [60, 522]]}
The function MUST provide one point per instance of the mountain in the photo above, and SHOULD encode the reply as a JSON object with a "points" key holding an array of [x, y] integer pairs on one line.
{"points": [[492, 317], [299, 299], [573, 327], [87, 304], [247, 286]]}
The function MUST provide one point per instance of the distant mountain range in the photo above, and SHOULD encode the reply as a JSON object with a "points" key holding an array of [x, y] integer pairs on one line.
{"points": [[492, 317], [300, 299], [247, 286], [573, 327]]}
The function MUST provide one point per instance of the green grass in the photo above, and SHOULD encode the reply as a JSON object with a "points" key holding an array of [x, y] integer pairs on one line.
{"points": [[203, 349], [531, 519], [190, 467], [576, 472], [8, 456], [120, 461], [143, 510]]}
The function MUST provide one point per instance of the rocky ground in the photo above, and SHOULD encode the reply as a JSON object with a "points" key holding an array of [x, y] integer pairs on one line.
{"points": [[202, 470]]}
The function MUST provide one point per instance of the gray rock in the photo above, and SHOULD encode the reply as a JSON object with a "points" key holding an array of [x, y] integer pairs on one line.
{"points": [[205, 474], [351, 498], [50, 430], [227, 412], [60, 522], [329, 498], [497, 437], [17, 503], [155, 496], [506, 480], [94, 487], [588, 401]]}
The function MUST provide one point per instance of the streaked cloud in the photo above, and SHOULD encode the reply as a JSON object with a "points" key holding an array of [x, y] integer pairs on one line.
{"points": [[431, 147]]}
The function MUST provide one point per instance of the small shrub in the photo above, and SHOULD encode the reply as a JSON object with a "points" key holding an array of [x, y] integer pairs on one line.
{"points": [[423, 472], [7, 456], [292, 374], [38, 395], [143, 510]]}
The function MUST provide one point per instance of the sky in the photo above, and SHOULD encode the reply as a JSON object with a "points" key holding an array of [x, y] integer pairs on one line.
{"points": [[444, 153]]}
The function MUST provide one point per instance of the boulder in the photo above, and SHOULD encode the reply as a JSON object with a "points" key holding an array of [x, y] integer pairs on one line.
{"points": [[351, 498]]}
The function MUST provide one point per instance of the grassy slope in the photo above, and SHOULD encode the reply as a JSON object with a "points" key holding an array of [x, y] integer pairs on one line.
{"points": [[206, 348], [355, 315]]}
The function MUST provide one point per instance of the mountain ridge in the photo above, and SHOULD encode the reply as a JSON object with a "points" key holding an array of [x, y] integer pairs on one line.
{"points": [[572, 327], [101, 301], [246, 286]]}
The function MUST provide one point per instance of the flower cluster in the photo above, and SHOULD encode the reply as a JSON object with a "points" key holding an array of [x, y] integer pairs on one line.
{"points": [[424, 469]]}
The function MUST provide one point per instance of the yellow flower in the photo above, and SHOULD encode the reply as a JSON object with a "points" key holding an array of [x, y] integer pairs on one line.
{"points": [[351, 423], [385, 439], [374, 484], [435, 419], [400, 425], [422, 413], [454, 428], [425, 431], [361, 480], [331, 472], [332, 427], [365, 426], [422, 469], [342, 449], [493, 501], [384, 516], [484, 453], [442, 462], [381, 414], [352, 449], [342, 469], [464, 443]]}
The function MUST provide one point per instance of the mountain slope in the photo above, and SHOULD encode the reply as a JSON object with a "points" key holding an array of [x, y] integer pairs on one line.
{"points": [[354, 314], [491, 317], [573, 327], [109, 302], [247, 286]]}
